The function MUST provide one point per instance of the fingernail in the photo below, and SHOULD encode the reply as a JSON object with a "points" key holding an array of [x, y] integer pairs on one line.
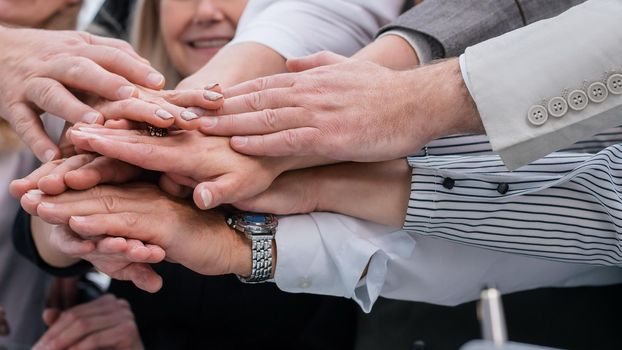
{"points": [[187, 115], [210, 122], [78, 218], [91, 117], [34, 195], [206, 197], [155, 79], [239, 141], [49, 155], [211, 86], [212, 95], [126, 92], [47, 205], [162, 114]]}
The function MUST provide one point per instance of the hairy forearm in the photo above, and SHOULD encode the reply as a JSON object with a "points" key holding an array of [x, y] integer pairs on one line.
{"points": [[235, 64], [41, 232], [390, 51]]}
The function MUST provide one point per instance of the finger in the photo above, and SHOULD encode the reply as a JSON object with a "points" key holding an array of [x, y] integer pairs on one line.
{"points": [[256, 123], [29, 128], [137, 110], [52, 97], [115, 60], [70, 316], [131, 226], [110, 337], [19, 187], [112, 42], [293, 142], [260, 84], [143, 277], [54, 182], [223, 190], [68, 243], [101, 170], [82, 73], [60, 213], [260, 100], [30, 201], [50, 316], [208, 99], [173, 188], [319, 59], [142, 151], [121, 124], [139, 252]]}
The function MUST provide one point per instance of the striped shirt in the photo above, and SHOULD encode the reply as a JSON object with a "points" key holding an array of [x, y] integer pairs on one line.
{"points": [[566, 206]]}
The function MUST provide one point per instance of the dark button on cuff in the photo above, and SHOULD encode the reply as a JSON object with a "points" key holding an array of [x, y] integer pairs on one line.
{"points": [[503, 188], [449, 183]]}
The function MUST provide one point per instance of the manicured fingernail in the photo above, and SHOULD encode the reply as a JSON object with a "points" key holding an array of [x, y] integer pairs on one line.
{"points": [[187, 115], [78, 218], [210, 122], [47, 205], [239, 141], [211, 86], [91, 117], [49, 155], [125, 92], [212, 95], [162, 114], [206, 197], [155, 79], [34, 195]]}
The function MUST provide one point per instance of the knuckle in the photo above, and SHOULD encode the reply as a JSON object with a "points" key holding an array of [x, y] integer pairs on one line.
{"points": [[76, 70], [260, 84], [109, 203], [291, 139], [47, 94], [271, 119], [130, 219], [253, 101]]}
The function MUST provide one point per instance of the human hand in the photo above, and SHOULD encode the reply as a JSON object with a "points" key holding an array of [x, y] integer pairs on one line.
{"points": [[42, 65], [80, 172], [106, 322], [208, 164], [199, 240], [377, 192], [345, 109]]}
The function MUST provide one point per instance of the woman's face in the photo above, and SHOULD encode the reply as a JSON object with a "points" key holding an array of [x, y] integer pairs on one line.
{"points": [[194, 30], [30, 13]]}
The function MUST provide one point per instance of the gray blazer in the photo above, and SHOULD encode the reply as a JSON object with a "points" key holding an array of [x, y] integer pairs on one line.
{"points": [[453, 25]]}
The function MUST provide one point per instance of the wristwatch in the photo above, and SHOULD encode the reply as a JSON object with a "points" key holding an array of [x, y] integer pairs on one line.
{"points": [[260, 229]]}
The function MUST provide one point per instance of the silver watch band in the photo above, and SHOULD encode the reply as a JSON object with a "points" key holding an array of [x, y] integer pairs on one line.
{"points": [[261, 248]]}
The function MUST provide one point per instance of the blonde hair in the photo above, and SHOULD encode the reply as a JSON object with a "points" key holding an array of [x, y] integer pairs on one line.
{"points": [[64, 19], [146, 38]]}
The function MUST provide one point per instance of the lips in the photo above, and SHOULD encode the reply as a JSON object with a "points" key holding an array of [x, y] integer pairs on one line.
{"points": [[208, 43]]}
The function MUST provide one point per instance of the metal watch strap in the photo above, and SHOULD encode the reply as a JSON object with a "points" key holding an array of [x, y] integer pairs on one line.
{"points": [[261, 247]]}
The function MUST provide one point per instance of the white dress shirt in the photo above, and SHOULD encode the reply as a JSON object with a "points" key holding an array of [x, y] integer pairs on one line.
{"points": [[296, 28]]}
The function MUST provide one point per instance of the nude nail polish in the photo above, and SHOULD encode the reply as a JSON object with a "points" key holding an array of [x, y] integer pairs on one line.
{"points": [[188, 116]]}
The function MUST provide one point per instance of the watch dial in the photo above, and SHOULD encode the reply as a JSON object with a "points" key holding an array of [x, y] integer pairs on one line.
{"points": [[258, 219]]}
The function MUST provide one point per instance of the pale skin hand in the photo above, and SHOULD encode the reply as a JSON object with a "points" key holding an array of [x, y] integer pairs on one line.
{"points": [[208, 164], [199, 240], [106, 322], [383, 187], [346, 109], [42, 65]]}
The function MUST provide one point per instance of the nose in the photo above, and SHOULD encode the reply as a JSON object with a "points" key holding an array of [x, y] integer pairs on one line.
{"points": [[208, 11]]}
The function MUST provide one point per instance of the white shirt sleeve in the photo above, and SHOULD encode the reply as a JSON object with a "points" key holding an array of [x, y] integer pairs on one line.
{"points": [[324, 253], [296, 28]]}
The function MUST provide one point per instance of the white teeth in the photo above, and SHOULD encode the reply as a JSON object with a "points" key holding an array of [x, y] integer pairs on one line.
{"points": [[204, 44]]}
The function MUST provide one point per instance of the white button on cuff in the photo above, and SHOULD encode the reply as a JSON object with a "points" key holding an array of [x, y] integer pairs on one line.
{"points": [[558, 107], [614, 84], [577, 100], [597, 92], [537, 115]]}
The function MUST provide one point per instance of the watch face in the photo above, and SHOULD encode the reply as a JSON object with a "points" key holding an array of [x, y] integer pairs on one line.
{"points": [[255, 219]]}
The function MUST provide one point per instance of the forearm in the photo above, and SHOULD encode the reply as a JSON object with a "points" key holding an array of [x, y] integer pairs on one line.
{"points": [[391, 51], [41, 232], [231, 66]]}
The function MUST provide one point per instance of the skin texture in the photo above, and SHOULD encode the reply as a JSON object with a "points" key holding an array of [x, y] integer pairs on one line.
{"points": [[106, 322], [346, 109], [20, 13], [194, 31]]}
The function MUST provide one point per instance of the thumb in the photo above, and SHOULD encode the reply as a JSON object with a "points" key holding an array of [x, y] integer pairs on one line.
{"points": [[50, 316], [319, 59]]}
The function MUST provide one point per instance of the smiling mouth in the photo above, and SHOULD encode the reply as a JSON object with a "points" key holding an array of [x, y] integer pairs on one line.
{"points": [[208, 44]]}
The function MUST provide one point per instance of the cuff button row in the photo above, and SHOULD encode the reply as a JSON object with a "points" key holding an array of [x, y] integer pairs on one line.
{"points": [[577, 100]]}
